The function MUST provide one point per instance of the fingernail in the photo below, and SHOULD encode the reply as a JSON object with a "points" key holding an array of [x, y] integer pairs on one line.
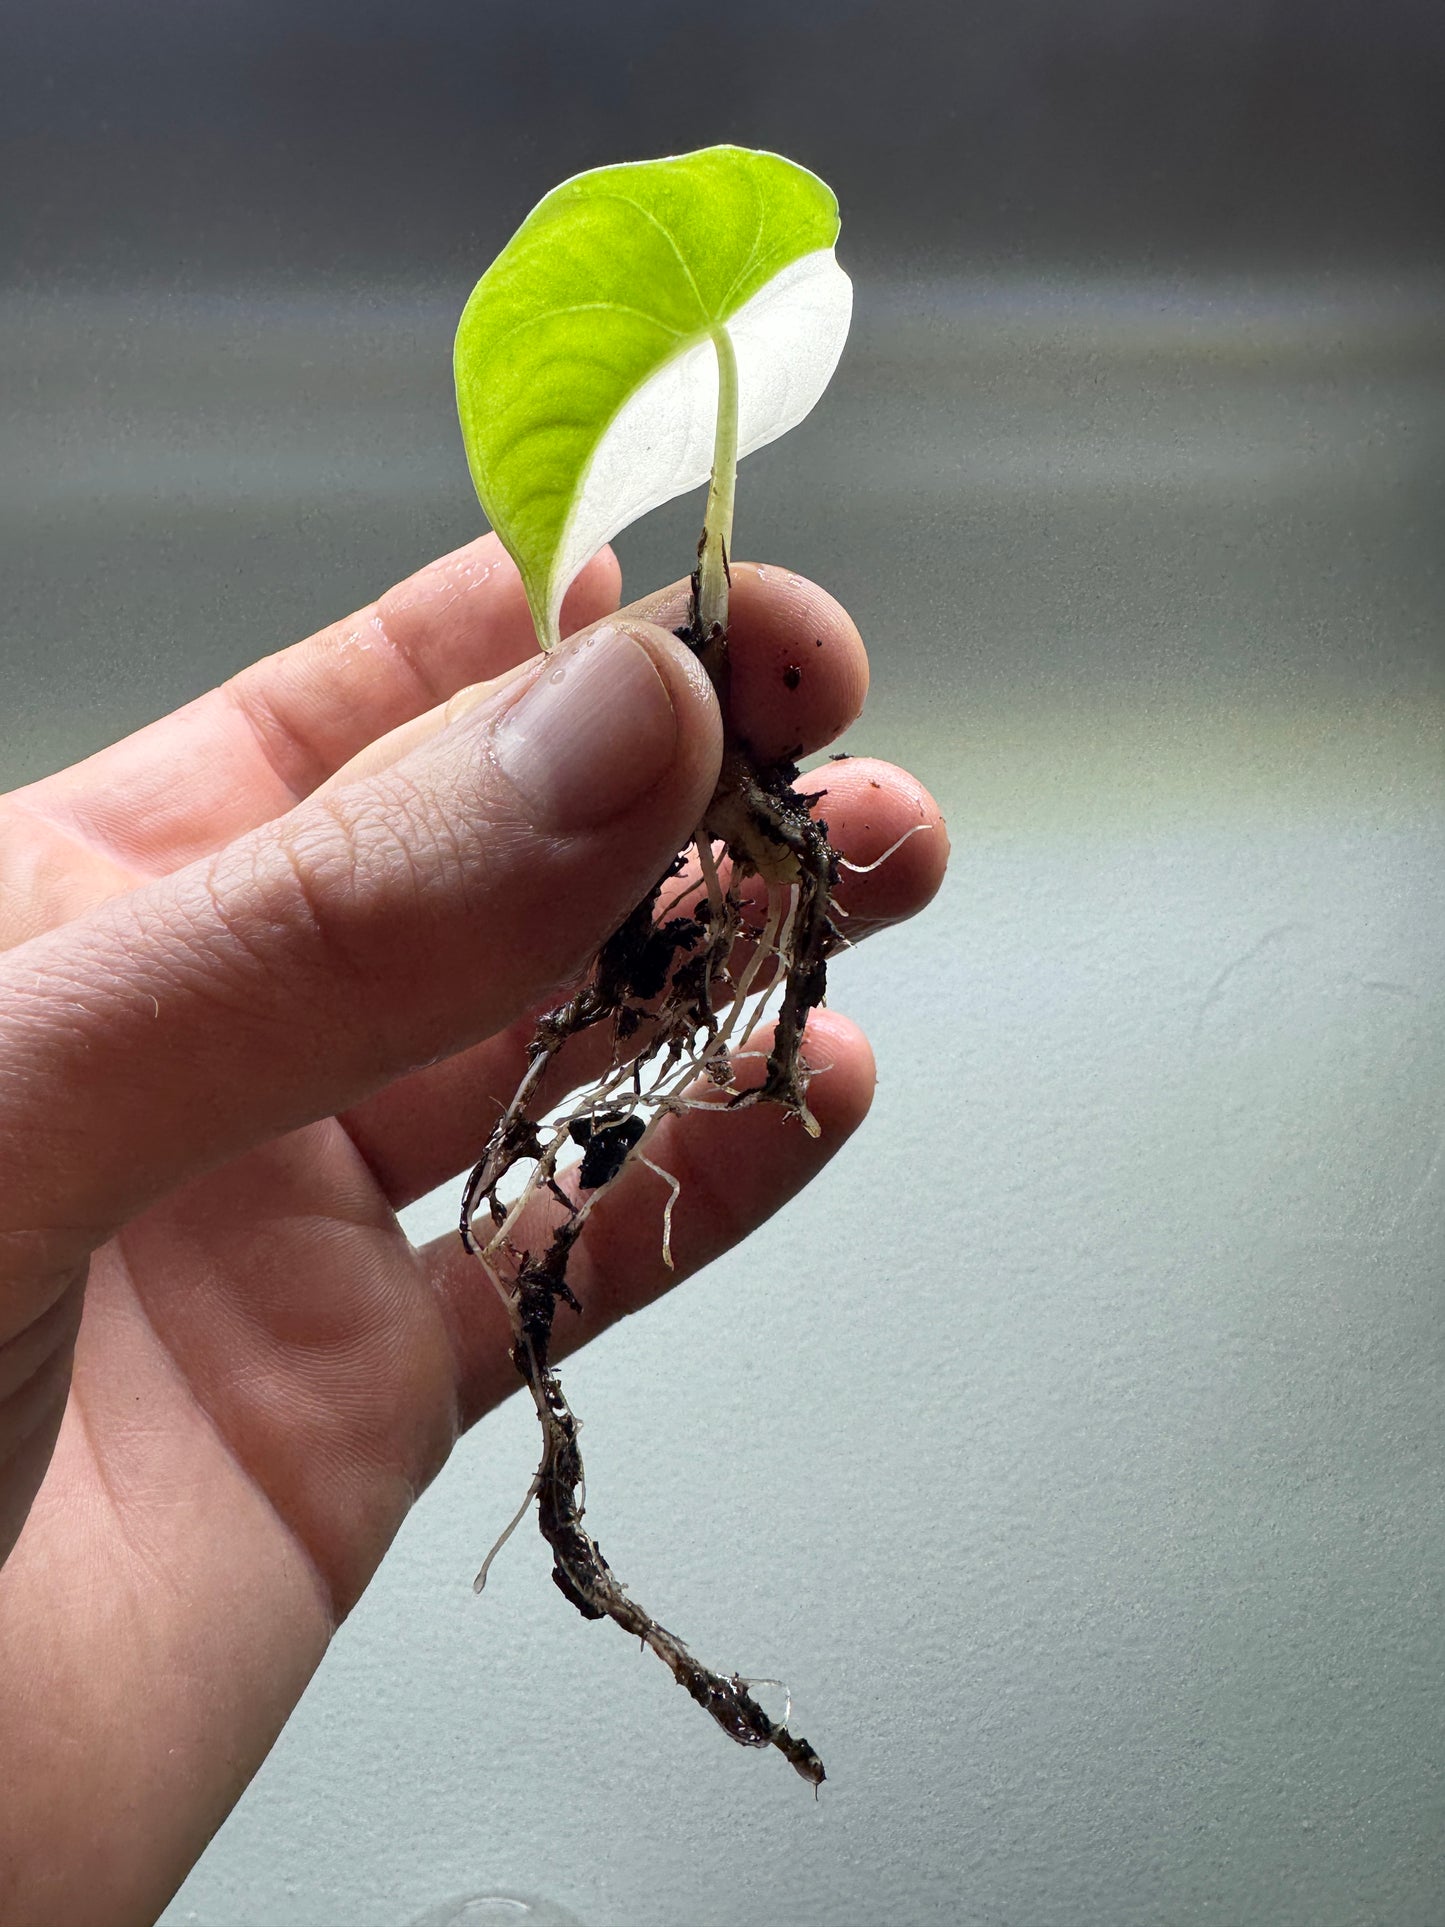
{"points": [[591, 735]]}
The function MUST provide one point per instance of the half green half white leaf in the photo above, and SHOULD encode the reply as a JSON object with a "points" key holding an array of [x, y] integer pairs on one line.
{"points": [[587, 359]]}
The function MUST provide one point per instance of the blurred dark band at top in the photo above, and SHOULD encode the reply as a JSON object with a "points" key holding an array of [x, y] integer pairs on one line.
{"points": [[304, 140]]}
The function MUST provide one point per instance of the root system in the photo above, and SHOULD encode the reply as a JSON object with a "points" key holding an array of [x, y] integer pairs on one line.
{"points": [[678, 991]]}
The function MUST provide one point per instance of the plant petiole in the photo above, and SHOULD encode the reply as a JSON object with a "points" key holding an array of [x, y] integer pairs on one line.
{"points": [[717, 526]]}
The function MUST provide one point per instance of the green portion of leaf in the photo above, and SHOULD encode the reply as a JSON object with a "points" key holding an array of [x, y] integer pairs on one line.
{"points": [[608, 278]]}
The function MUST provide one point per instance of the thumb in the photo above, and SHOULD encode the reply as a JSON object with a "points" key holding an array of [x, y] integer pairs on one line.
{"points": [[376, 927]]}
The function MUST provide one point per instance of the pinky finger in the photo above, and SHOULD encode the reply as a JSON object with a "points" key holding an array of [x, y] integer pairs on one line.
{"points": [[731, 1169]]}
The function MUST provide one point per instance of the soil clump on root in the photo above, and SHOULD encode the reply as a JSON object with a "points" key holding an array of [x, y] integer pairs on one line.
{"points": [[679, 991]]}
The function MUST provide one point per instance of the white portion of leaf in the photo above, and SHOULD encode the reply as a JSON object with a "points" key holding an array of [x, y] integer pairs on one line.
{"points": [[788, 340]]}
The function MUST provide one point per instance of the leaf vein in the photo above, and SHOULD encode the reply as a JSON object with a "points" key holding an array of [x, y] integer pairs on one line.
{"points": [[582, 307], [626, 200], [746, 267]]}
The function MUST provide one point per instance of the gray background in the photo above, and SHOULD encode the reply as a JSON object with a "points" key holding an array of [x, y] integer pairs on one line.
{"points": [[1075, 1448]]}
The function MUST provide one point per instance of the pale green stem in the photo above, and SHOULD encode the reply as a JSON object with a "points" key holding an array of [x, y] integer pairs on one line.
{"points": [[717, 528]]}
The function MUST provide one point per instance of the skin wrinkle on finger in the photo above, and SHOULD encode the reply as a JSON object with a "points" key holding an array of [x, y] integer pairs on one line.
{"points": [[387, 843], [305, 934], [292, 902]]}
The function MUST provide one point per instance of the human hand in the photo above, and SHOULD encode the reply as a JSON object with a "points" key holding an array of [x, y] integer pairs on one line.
{"points": [[267, 975]]}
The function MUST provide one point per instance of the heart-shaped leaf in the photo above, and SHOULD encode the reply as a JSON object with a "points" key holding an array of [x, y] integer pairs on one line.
{"points": [[587, 357]]}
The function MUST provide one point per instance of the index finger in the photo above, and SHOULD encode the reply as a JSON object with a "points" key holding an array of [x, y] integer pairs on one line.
{"points": [[244, 753]]}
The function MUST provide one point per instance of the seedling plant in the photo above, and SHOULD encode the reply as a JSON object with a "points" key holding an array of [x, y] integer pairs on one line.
{"points": [[646, 327]]}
